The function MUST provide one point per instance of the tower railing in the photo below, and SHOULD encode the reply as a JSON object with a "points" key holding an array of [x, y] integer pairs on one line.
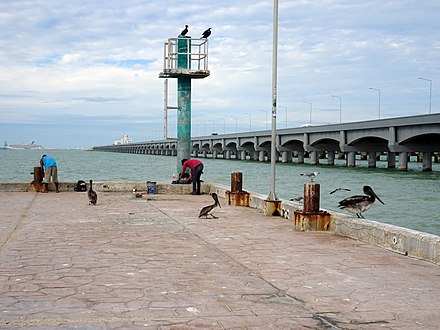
{"points": [[185, 56]]}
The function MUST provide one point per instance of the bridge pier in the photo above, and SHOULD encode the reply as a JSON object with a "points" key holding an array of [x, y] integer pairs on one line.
{"points": [[286, 156], [314, 158], [300, 157], [372, 159], [403, 161], [261, 155], [227, 154], [331, 158], [391, 158], [243, 154], [214, 154], [351, 159], [427, 162]]}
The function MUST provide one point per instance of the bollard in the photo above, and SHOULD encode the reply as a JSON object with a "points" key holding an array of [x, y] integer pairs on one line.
{"points": [[37, 184], [311, 197], [236, 196], [236, 182], [311, 218]]}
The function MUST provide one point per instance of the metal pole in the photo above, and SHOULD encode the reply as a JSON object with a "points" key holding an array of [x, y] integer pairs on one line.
{"points": [[272, 195], [430, 92], [286, 112], [165, 109], [250, 121], [340, 107], [378, 90], [266, 116], [310, 104]]}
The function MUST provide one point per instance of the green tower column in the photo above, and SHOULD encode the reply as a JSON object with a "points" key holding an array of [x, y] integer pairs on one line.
{"points": [[183, 103], [183, 120]]}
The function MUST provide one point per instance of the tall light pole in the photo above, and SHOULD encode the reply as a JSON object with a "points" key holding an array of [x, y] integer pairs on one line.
{"points": [[235, 123], [266, 116], [273, 153], [224, 124], [286, 112], [430, 92], [340, 107], [311, 105], [250, 121], [378, 90]]}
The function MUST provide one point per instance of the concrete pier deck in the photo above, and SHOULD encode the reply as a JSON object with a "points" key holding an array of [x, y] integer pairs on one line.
{"points": [[151, 263]]}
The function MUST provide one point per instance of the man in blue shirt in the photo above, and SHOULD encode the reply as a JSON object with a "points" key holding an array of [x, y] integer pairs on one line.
{"points": [[49, 166]]}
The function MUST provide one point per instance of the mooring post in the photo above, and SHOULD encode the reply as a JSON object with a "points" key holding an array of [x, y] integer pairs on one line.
{"points": [[237, 196], [311, 197], [311, 218]]}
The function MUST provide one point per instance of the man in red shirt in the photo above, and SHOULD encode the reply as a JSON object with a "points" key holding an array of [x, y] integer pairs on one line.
{"points": [[196, 167]]}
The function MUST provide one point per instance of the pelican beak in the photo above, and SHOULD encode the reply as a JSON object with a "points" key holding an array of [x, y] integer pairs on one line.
{"points": [[378, 198]]}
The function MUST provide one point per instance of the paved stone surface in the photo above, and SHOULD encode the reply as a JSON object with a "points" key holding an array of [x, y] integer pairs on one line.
{"points": [[151, 263]]}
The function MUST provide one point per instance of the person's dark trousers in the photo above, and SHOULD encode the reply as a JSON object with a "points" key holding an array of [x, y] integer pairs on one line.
{"points": [[197, 173]]}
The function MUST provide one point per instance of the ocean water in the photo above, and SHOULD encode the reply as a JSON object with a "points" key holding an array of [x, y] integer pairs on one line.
{"points": [[412, 199]]}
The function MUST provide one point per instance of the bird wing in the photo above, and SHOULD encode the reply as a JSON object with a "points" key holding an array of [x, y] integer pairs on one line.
{"points": [[353, 200], [205, 210]]}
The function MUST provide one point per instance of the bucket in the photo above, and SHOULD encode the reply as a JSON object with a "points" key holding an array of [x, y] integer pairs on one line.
{"points": [[151, 187]]}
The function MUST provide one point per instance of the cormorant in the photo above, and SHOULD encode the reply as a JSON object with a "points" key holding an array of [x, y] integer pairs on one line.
{"points": [[206, 33], [93, 196], [184, 31]]}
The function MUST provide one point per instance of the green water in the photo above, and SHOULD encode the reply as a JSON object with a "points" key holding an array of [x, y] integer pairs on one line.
{"points": [[411, 198]]}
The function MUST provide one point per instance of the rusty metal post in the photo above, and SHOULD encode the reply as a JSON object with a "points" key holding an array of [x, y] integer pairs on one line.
{"points": [[237, 196], [38, 174], [236, 182], [311, 197], [311, 218]]}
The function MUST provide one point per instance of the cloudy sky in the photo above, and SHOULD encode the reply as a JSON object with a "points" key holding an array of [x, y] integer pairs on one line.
{"points": [[82, 73]]}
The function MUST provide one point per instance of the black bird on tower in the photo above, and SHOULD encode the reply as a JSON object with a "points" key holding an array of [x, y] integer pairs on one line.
{"points": [[206, 34], [184, 31]]}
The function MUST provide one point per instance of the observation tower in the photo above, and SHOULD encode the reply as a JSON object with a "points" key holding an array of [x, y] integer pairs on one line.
{"points": [[185, 58]]}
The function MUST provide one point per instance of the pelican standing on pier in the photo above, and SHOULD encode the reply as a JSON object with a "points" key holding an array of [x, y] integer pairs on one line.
{"points": [[207, 210], [360, 203]]}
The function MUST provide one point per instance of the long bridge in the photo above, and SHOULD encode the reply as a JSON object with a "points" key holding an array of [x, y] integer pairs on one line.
{"points": [[396, 138]]}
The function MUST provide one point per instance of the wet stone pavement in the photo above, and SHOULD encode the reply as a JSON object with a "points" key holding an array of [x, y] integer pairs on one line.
{"points": [[151, 263]]}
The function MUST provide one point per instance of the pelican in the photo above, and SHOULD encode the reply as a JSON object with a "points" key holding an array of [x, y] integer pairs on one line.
{"points": [[207, 210], [299, 199], [206, 33], [360, 203], [93, 196], [184, 31], [310, 175]]}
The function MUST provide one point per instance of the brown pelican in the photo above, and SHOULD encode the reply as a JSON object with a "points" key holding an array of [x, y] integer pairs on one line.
{"points": [[184, 31], [93, 196], [207, 210], [310, 175], [360, 203], [206, 33]]}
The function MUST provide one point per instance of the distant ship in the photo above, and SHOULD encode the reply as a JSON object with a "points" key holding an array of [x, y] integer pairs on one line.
{"points": [[31, 145]]}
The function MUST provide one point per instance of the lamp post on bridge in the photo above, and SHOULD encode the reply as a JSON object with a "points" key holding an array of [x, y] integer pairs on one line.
{"points": [[378, 90], [235, 123], [311, 107], [340, 107], [224, 124], [430, 92], [286, 112], [250, 121], [266, 116]]}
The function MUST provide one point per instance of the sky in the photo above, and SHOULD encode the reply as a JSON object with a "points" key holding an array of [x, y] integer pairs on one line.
{"points": [[77, 74]]}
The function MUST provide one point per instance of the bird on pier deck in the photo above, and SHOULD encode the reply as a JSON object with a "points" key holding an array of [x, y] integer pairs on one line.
{"points": [[310, 175], [184, 31], [207, 210], [92, 195], [360, 203]]}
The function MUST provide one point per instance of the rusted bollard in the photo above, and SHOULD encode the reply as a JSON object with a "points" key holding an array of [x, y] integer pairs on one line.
{"points": [[37, 183], [237, 196], [311, 218]]}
